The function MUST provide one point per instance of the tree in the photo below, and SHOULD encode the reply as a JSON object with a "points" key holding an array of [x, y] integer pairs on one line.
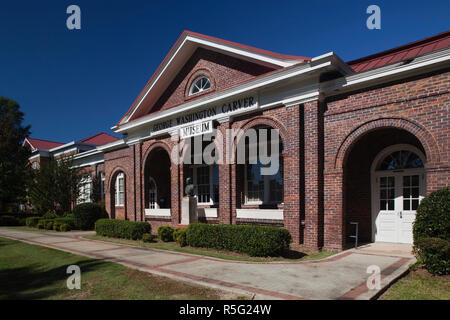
{"points": [[14, 165], [55, 186]]}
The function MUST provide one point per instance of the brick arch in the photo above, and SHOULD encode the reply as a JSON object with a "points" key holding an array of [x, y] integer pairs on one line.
{"points": [[259, 121], [114, 172], [153, 146], [194, 76], [425, 138]]}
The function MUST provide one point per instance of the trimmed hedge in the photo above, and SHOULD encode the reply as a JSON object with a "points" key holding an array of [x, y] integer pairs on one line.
{"points": [[9, 221], [86, 214], [32, 221], [148, 237], [179, 235], [121, 228], [433, 216], [66, 220], [251, 240], [64, 227], [434, 253], [165, 233]]}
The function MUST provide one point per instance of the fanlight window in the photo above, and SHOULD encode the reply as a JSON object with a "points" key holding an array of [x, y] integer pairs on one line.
{"points": [[200, 85], [402, 159]]}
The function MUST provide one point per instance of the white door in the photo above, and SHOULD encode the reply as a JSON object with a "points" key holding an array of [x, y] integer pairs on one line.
{"points": [[397, 196]]}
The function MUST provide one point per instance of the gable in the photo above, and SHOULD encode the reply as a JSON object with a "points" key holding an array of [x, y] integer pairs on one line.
{"points": [[159, 92], [222, 70]]}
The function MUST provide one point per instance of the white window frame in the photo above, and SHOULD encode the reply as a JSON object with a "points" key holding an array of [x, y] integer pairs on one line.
{"points": [[266, 191], [119, 177], [156, 206], [200, 90], [211, 182], [102, 185], [85, 190]]}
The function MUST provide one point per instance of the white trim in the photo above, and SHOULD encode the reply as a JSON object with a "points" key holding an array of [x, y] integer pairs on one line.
{"points": [[207, 212], [88, 164], [272, 214], [216, 97], [198, 41], [117, 192], [385, 73], [158, 212], [396, 147]]}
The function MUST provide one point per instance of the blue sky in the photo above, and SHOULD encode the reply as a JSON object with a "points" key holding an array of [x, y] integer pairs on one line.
{"points": [[72, 84]]}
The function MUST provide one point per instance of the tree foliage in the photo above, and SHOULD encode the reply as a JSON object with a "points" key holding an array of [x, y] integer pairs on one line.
{"points": [[14, 165], [55, 186]]}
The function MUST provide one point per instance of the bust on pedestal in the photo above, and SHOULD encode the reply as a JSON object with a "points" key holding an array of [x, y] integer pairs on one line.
{"points": [[189, 204]]}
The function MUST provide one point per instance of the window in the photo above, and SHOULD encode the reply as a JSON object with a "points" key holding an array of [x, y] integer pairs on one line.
{"points": [[85, 190], [259, 188], [120, 189], [206, 180], [200, 85], [102, 185], [152, 194], [402, 159]]}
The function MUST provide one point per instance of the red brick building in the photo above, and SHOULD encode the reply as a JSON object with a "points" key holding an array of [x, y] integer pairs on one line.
{"points": [[361, 141]]}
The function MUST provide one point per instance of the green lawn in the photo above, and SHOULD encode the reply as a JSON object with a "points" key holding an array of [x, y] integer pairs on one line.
{"points": [[35, 272], [419, 285], [293, 255]]}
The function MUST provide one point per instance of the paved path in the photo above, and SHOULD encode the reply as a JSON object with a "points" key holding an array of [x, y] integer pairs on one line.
{"points": [[342, 276]]}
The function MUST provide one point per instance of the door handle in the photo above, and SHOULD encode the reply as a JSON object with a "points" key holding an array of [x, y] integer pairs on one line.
{"points": [[401, 216]]}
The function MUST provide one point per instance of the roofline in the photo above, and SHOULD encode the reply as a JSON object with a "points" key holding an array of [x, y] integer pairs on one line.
{"points": [[186, 33], [402, 47]]}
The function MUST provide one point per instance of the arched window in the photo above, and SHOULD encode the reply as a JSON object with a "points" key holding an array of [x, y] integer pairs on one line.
{"points": [[152, 194], [402, 159], [199, 85], [85, 189], [120, 190]]}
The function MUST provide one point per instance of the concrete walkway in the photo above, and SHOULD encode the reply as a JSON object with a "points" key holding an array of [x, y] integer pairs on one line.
{"points": [[342, 276]]}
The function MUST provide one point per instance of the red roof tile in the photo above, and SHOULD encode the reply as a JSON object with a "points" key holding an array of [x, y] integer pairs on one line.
{"points": [[43, 144], [407, 51], [99, 139]]}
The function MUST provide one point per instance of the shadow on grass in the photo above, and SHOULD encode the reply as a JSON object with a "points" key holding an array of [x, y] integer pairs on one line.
{"points": [[34, 282], [292, 254]]}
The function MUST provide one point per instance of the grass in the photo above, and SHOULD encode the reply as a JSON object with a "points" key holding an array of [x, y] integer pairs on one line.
{"points": [[297, 253], [35, 272], [419, 285]]}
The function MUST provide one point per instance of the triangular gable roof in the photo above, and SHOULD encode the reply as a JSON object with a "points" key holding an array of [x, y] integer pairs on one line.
{"points": [[183, 49], [99, 139], [404, 52], [41, 144]]}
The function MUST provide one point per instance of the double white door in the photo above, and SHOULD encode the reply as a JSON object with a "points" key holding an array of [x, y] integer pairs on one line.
{"points": [[396, 198]]}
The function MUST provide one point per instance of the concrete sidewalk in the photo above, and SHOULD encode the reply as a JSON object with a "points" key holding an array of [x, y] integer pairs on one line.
{"points": [[342, 276]]}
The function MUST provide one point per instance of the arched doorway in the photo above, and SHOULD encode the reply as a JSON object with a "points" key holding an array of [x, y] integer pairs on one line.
{"points": [[398, 186], [362, 166], [157, 181]]}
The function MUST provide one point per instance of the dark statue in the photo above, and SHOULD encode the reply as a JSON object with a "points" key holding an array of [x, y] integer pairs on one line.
{"points": [[189, 190]]}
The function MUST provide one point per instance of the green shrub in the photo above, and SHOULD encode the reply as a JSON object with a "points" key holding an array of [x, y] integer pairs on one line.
{"points": [[9, 221], [179, 235], [165, 233], [251, 240], [49, 215], [49, 225], [148, 237], [433, 216], [32, 221], [64, 227], [56, 225], [68, 214], [41, 224], [86, 214], [121, 228], [67, 220], [434, 253]]}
